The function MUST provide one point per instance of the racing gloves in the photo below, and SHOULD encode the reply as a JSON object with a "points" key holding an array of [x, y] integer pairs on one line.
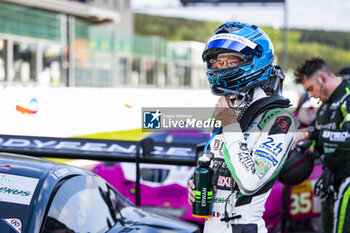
{"points": [[313, 133], [324, 186]]}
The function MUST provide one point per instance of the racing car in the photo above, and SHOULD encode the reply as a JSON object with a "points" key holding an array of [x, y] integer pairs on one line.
{"points": [[38, 195]]}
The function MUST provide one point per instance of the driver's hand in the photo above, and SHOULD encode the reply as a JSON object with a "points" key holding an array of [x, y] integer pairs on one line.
{"points": [[302, 135], [191, 194], [224, 113]]}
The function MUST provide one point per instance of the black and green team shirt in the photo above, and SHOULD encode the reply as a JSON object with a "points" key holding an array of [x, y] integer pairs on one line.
{"points": [[333, 123]]}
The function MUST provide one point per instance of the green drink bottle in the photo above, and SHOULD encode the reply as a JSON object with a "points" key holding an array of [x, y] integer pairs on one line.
{"points": [[202, 207]]}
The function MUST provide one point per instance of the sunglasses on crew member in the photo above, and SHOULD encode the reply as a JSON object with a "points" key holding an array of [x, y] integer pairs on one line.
{"points": [[225, 60]]}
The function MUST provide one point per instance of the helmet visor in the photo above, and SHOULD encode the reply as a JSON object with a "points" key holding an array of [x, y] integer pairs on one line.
{"points": [[231, 42]]}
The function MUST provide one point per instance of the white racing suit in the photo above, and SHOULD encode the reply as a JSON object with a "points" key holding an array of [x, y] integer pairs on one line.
{"points": [[246, 166]]}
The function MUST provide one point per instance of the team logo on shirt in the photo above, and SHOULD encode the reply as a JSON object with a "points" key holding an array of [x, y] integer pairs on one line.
{"points": [[217, 144], [262, 166], [221, 200], [266, 156], [224, 181], [323, 109], [281, 125], [336, 136], [222, 176], [218, 215], [271, 146], [246, 160], [332, 115], [246, 135]]}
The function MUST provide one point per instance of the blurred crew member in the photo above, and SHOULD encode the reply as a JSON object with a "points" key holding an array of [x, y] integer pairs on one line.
{"points": [[344, 72], [332, 134]]}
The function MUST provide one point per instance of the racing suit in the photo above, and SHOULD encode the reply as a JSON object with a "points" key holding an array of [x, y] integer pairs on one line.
{"points": [[333, 135], [246, 163]]}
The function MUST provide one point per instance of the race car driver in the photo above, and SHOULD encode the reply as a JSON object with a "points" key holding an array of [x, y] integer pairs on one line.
{"points": [[257, 129]]}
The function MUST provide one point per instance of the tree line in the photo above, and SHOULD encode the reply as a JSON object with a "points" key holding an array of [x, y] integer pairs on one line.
{"points": [[332, 46]]}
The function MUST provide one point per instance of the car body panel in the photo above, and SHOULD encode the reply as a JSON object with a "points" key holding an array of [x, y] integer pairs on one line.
{"points": [[303, 203], [48, 177], [169, 193]]}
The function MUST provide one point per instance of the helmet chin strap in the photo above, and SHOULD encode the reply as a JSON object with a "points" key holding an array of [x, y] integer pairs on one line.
{"points": [[232, 92], [239, 103]]}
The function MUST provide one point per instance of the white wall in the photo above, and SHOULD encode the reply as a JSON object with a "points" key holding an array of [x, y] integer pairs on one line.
{"points": [[64, 112]]}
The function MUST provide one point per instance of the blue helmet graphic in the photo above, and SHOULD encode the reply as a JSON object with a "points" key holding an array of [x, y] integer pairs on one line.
{"points": [[248, 42]]}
